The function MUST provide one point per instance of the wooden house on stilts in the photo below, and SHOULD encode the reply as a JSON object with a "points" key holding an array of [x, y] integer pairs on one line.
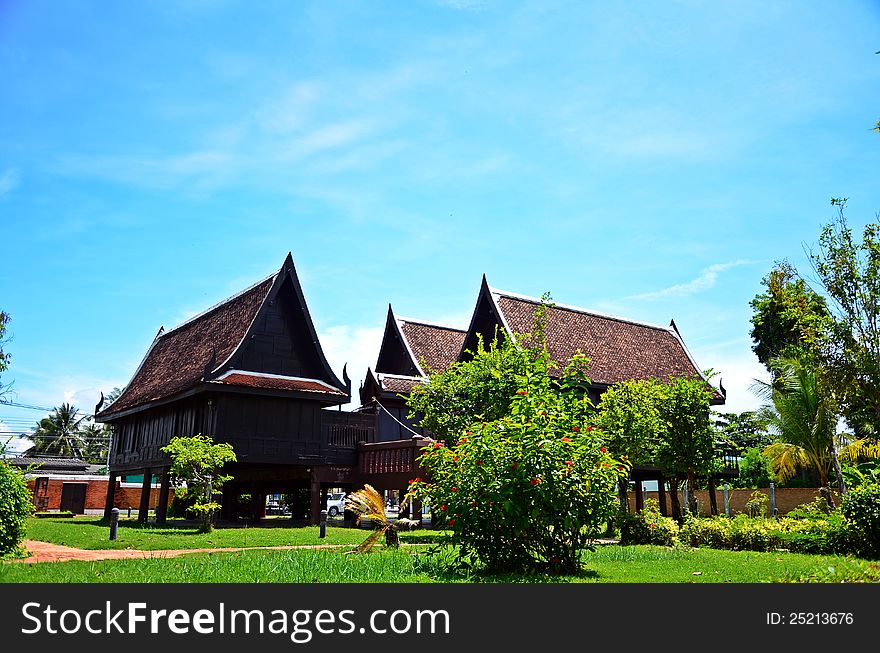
{"points": [[249, 371]]}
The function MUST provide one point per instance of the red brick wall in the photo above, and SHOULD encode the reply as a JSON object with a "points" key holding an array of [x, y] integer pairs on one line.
{"points": [[787, 499], [96, 494]]}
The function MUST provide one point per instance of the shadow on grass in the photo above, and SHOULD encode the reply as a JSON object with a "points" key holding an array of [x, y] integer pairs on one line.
{"points": [[443, 565]]}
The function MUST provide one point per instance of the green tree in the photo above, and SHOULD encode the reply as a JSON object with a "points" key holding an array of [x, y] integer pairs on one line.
{"points": [[849, 272], [802, 413], [755, 470], [743, 431], [629, 417], [96, 443], [481, 388], [5, 356], [198, 462], [788, 316], [687, 447], [16, 505], [59, 434]]}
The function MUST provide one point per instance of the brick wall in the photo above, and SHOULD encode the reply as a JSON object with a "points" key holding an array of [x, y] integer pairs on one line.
{"points": [[787, 499], [126, 496]]}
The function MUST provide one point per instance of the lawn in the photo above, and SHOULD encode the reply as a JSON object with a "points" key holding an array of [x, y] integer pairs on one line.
{"points": [[94, 533], [608, 564]]}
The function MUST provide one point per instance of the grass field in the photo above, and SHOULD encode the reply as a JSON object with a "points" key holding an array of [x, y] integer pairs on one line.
{"points": [[608, 564], [93, 533]]}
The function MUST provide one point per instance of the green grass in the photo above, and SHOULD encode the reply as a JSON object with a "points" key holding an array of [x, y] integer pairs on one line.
{"points": [[94, 533], [608, 564]]}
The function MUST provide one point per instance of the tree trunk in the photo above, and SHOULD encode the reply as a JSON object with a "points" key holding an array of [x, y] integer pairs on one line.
{"points": [[391, 536], [692, 493], [673, 496], [835, 464], [622, 488]]}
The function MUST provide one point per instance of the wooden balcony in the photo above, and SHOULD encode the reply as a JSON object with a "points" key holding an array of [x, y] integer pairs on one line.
{"points": [[391, 465]]}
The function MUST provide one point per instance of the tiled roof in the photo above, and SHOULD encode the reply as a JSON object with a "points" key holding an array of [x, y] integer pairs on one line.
{"points": [[176, 361], [618, 349], [66, 464], [399, 384], [277, 382], [437, 345]]}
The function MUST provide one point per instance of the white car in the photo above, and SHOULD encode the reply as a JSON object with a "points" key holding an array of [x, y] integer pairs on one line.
{"points": [[335, 503]]}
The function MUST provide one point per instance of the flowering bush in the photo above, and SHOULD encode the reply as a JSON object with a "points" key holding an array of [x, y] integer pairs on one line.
{"points": [[531, 489]]}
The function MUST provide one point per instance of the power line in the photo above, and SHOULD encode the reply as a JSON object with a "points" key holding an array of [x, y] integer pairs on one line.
{"points": [[27, 406]]}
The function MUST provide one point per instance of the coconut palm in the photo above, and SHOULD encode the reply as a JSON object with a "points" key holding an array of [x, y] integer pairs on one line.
{"points": [[803, 415], [369, 504], [59, 434]]}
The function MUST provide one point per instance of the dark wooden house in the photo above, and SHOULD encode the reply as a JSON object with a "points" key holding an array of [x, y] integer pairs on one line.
{"points": [[619, 349], [249, 371]]}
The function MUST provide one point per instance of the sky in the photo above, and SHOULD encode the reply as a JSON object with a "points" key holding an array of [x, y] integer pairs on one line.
{"points": [[649, 160]]}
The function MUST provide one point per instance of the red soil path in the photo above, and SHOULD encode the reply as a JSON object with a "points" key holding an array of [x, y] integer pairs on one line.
{"points": [[45, 552]]}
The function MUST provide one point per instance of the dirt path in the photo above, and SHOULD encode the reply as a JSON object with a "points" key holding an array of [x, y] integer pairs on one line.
{"points": [[45, 552]]}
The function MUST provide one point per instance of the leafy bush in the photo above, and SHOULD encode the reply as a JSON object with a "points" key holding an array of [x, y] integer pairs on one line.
{"points": [[648, 526], [826, 534], [757, 504], [861, 508], [15, 507], [854, 571], [181, 503], [531, 489]]}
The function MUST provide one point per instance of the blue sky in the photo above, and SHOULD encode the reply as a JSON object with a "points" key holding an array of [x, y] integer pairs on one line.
{"points": [[646, 159]]}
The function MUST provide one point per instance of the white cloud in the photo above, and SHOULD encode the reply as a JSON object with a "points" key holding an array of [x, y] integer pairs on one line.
{"points": [[358, 346], [704, 281], [9, 181]]}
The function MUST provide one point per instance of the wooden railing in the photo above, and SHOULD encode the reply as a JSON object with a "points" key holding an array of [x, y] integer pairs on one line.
{"points": [[397, 457], [346, 430]]}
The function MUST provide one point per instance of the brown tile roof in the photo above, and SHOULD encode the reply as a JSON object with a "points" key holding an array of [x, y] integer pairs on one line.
{"points": [[177, 359], [399, 384], [618, 349], [437, 345], [277, 382]]}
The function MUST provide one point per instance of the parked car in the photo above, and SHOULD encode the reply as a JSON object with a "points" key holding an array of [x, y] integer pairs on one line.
{"points": [[335, 503]]}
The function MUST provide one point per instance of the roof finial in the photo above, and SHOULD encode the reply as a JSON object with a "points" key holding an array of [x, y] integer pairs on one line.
{"points": [[99, 404]]}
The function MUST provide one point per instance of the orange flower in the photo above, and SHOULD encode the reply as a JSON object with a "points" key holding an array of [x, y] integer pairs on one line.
{"points": [[534, 481], [443, 507], [452, 522], [566, 439], [437, 445], [522, 392], [514, 465], [569, 462], [576, 429], [603, 449], [479, 462], [454, 489]]}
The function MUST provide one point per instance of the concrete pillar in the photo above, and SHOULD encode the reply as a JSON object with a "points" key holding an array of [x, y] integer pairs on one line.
{"points": [[111, 496], [144, 509]]}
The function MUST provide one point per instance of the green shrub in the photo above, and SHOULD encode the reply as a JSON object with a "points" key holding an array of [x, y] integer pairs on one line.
{"points": [[181, 503], [15, 507], [528, 491], [828, 534], [648, 526], [861, 509], [757, 504]]}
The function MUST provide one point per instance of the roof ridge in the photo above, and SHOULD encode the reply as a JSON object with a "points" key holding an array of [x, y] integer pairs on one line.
{"points": [[219, 304], [577, 309], [437, 325]]}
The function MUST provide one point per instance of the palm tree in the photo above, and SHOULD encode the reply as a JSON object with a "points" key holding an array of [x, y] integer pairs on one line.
{"points": [[369, 504], [803, 415], [59, 434]]}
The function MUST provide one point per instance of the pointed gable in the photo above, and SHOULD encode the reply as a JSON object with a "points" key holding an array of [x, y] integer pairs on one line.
{"points": [[177, 358], [395, 355], [261, 338], [434, 346], [619, 349]]}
